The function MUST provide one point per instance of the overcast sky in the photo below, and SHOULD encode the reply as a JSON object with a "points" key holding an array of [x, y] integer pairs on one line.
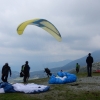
{"points": [[78, 22]]}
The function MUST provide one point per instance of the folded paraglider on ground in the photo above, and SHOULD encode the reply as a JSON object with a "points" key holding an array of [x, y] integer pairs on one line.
{"points": [[23, 88], [62, 78]]}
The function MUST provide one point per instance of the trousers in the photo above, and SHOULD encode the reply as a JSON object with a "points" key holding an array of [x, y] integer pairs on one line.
{"points": [[4, 78], [89, 70]]}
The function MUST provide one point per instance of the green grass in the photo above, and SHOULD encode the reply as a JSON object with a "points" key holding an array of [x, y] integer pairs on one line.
{"points": [[82, 74], [56, 92]]}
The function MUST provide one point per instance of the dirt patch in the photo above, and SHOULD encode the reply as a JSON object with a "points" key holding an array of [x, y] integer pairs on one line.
{"points": [[86, 84]]}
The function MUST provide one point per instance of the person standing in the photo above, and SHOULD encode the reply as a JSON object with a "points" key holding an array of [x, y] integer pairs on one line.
{"points": [[89, 61], [77, 67], [5, 71], [26, 70]]}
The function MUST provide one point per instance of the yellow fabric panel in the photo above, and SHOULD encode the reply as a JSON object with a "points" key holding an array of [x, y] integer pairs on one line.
{"points": [[23, 25], [49, 25], [53, 34]]}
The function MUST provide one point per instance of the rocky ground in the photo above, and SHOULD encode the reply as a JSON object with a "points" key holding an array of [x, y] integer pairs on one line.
{"points": [[83, 84], [86, 84]]}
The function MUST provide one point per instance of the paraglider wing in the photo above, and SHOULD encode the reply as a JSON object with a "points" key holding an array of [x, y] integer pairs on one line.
{"points": [[44, 24]]}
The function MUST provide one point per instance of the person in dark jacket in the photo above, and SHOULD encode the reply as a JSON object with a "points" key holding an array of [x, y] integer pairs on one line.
{"points": [[89, 61], [48, 72], [5, 71], [26, 70]]}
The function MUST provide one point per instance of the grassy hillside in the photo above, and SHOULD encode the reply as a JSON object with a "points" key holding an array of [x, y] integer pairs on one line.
{"points": [[56, 92]]}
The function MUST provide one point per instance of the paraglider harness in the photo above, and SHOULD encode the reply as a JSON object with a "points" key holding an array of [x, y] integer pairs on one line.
{"points": [[22, 71], [48, 72]]}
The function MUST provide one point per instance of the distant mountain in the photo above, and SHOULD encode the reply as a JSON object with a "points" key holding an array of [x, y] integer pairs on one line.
{"points": [[58, 64], [82, 61], [63, 65], [95, 66], [68, 66]]}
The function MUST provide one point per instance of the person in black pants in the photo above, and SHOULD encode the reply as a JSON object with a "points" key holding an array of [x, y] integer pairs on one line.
{"points": [[26, 70], [5, 71], [89, 61]]}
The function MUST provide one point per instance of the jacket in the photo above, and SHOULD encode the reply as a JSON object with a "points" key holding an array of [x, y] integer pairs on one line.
{"points": [[89, 60], [5, 70]]}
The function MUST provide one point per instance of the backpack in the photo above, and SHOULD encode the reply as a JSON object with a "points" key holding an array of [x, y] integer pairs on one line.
{"points": [[21, 74], [23, 66], [22, 71]]}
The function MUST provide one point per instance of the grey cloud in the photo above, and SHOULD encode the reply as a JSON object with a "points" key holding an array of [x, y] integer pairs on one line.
{"points": [[77, 21]]}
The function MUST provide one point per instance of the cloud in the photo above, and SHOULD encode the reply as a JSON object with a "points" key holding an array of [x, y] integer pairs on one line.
{"points": [[77, 21]]}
